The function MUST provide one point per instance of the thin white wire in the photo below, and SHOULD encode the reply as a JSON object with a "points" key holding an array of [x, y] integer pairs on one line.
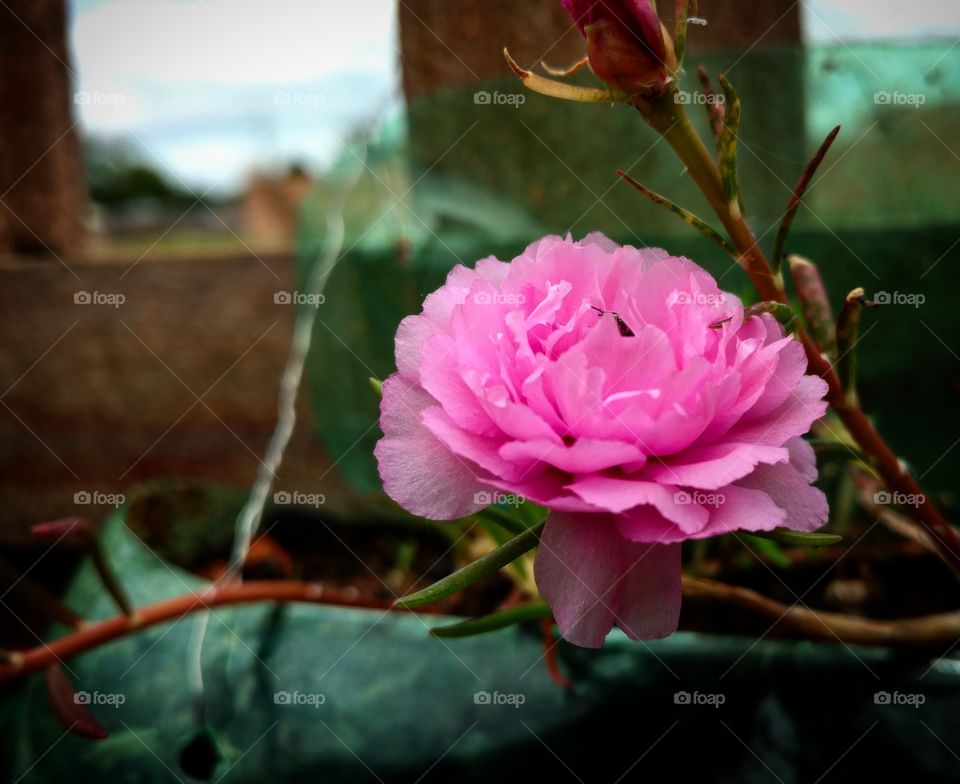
{"points": [[251, 515]]}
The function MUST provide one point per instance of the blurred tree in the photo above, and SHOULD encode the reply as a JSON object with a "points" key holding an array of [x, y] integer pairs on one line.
{"points": [[41, 174], [119, 178]]}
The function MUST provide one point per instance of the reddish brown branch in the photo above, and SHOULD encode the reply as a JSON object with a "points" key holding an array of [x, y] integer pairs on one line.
{"points": [[92, 635], [927, 631]]}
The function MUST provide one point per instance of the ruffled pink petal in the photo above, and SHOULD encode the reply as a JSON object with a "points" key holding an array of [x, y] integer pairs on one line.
{"points": [[592, 578], [790, 419], [410, 459], [789, 488], [583, 456], [712, 467], [619, 495], [741, 508]]}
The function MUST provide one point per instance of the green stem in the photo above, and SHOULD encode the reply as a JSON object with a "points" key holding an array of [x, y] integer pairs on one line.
{"points": [[670, 119]]}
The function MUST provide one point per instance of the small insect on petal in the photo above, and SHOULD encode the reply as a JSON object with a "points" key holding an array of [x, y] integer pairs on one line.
{"points": [[621, 324]]}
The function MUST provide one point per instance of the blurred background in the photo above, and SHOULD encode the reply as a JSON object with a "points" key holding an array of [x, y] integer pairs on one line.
{"points": [[182, 156], [168, 169]]}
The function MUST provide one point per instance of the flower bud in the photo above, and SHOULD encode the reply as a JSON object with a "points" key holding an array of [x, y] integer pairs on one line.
{"points": [[627, 46]]}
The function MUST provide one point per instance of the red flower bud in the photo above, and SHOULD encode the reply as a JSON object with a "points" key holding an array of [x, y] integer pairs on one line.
{"points": [[626, 44]]}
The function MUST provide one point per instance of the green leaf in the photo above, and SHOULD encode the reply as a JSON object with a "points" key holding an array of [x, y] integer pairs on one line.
{"points": [[779, 310], [773, 552], [685, 215], [496, 515], [847, 326], [728, 148], [797, 538], [494, 621], [794, 204], [377, 385], [468, 575]]}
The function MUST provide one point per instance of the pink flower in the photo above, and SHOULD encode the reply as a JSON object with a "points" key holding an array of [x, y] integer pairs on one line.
{"points": [[621, 389], [626, 44]]}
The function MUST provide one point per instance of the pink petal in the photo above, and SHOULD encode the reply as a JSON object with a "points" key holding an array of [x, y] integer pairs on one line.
{"points": [[619, 495], [410, 459], [789, 487], [585, 455], [592, 578], [712, 467]]}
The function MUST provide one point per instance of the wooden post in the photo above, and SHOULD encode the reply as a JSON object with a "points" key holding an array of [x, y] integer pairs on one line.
{"points": [[42, 191]]}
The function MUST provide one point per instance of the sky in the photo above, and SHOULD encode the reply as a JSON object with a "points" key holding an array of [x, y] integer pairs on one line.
{"points": [[211, 89]]}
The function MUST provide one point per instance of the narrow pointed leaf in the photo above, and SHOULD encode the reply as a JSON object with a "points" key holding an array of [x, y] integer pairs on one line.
{"points": [[109, 578], [795, 198], [494, 621], [476, 571], [715, 108], [847, 326], [502, 519], [568, 92], [814, 304], [728, 148], [70, 707], [685, 215], [377, 385], [797, 538]]}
